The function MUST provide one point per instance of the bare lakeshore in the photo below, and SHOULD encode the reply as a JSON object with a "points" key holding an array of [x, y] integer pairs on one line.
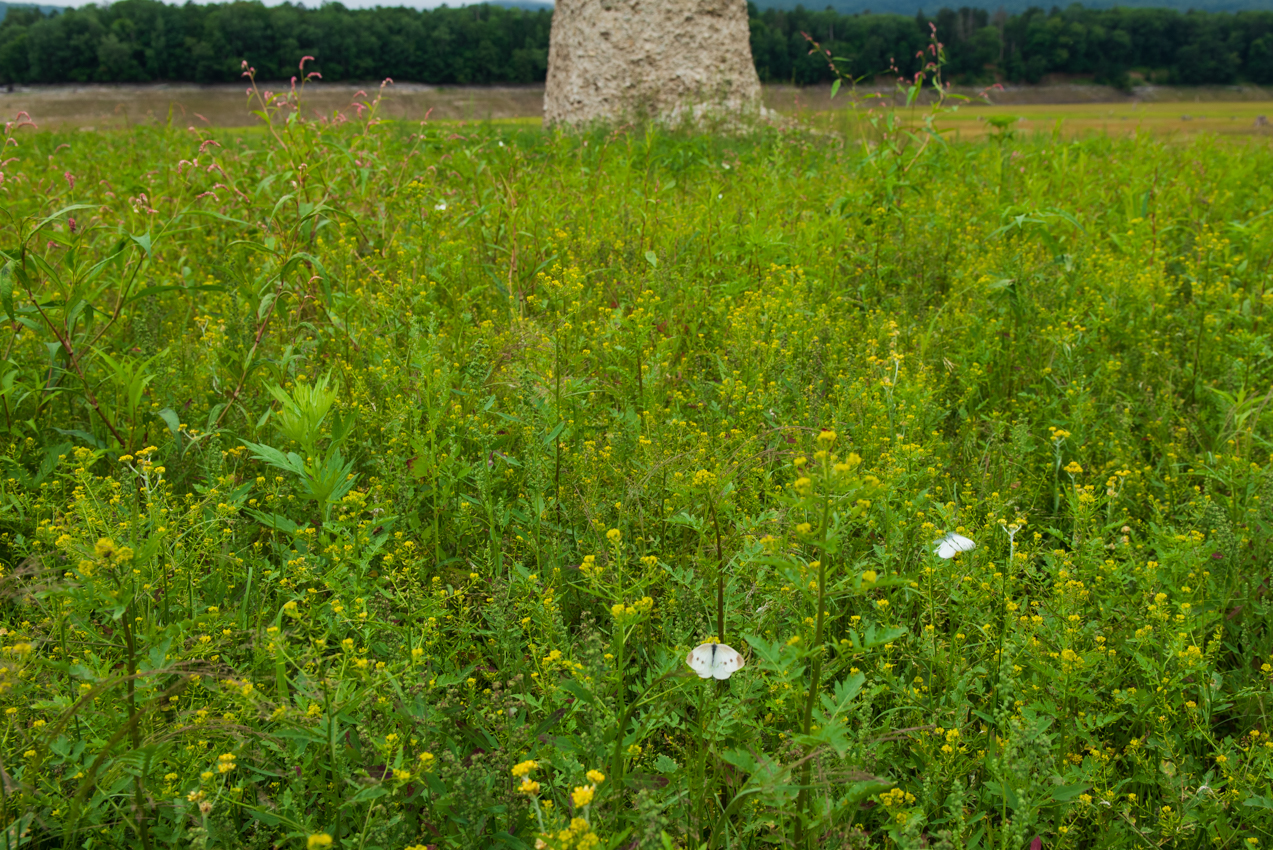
{"points": [[1240, 110]]}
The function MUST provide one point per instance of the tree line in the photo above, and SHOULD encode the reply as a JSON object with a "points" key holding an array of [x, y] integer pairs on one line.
{"points": [[147, 40], [1110, 45]]}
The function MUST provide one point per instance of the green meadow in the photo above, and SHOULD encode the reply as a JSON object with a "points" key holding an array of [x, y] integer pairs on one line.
{"points": [[366, 484]]}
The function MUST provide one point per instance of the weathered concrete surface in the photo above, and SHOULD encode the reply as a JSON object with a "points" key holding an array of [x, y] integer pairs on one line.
{"points": [[665, 59]]}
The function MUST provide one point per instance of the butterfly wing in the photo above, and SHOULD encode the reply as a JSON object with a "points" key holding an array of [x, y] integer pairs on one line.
{"points": [[952, 544], [714, 661], [700, 660], [728, 662]]}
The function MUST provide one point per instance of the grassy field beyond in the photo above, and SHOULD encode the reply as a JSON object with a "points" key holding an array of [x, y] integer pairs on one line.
{"points": [[1082, 108], [366, 485], [1166, 120]]}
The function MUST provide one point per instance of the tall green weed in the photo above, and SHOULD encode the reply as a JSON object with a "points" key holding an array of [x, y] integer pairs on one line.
{"points": [[366, 484]]}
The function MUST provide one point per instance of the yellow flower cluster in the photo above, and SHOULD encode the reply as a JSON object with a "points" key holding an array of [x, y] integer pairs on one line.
{"points": [[107, 552], [897, 797], [579, 836], [641, 607]]}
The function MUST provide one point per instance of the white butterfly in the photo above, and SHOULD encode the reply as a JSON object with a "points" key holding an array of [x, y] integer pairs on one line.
{"points": [[952, 544], [714, 660]]}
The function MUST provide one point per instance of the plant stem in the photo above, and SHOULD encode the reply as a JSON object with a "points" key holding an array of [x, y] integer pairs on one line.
{"points": [[803, 800], [720, 576], [815, 681], [932, 624], [557, 439], [134, 734]]}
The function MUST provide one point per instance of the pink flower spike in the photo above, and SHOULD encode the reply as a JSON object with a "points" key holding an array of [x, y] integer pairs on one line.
{"points": [[388, 82], [1036, 843], [230, 189], [244, 65], [70, 179], [312, 74], [305, 59]]}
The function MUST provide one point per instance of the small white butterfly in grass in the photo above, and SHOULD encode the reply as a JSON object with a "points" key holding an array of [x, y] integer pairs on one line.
{"points": [[714, 661], [952, 544]]}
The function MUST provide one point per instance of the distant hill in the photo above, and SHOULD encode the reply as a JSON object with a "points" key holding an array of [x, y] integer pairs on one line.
{"points": [[910, 7], [4, 8]]}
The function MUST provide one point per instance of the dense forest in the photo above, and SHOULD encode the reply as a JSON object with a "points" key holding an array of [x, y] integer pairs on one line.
{"points": [[144, 40], [1109, 44]]}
